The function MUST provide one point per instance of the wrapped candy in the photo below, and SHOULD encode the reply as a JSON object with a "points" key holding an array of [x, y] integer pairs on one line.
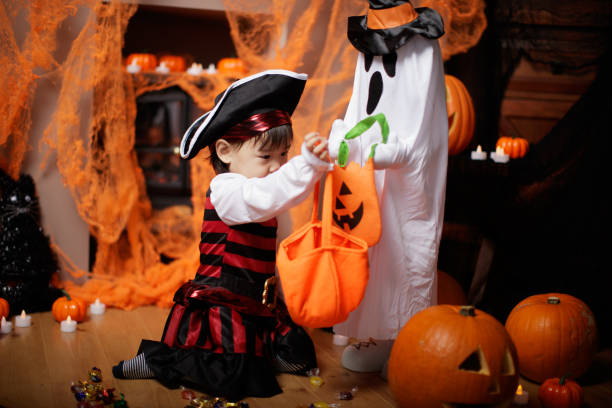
{"points": [[95, 375]]}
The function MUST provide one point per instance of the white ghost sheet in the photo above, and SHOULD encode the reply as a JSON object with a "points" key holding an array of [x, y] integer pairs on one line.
{"points": [[408, 87]]}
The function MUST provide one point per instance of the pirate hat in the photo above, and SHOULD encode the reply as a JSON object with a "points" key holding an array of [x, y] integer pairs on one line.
{"points": [[389, 24], [265, 91]]}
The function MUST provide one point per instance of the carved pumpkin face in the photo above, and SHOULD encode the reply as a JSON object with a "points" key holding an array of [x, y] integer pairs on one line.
{"points": [[355, 201], [453, 356]]}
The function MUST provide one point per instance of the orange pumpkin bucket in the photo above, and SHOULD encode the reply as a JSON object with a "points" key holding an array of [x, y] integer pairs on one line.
{"points": [[356, 208], [323, 270]]}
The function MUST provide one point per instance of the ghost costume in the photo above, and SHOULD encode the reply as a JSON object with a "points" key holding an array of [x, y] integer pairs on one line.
{"points": [[407, 86]]}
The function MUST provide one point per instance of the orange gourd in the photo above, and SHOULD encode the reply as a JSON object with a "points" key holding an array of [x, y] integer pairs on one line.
{"points": [[232, 67], [515, 147], [450, 291], [68, 306], [554, 334], [175, 63], [461, 117], [452, 355], [560, 393], [147, 62], [4, 308]]}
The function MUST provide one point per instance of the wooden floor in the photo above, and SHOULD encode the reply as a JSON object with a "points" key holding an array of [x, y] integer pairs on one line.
{"points": [[37, 365]]}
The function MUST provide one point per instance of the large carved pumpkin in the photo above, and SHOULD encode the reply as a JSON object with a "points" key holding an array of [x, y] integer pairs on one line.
{"points": [[555, 334], [450, 291], [453, 355], [461, 118]]}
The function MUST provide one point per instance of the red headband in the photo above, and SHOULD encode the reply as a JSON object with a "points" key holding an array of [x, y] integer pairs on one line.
{"points": [[257, 124]]}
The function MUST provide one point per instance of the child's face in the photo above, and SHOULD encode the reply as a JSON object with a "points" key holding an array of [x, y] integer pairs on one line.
{"points": [[252, 160]]}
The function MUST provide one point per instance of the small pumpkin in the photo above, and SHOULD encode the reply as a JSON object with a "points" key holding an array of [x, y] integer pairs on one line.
{"points": [[461, 117], [560, 393], [515, 147], [68, 306], [147, 62], [554, 334], [449, 355], [175, 63], [450, 291], [4, 308], [232, 67]]}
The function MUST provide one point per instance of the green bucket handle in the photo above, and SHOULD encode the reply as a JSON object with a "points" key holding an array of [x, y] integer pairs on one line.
{"points": [[358, 130]]}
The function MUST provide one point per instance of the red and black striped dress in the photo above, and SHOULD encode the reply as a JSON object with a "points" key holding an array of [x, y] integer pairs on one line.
{"points": [[219, 336]]}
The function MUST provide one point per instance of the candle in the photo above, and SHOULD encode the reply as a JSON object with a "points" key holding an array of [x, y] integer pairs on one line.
{"points": [[162, 68], [211, 69], [23, 320], [478, 154], [133, 68], [97, 308], [499, 156], [521, 397], [68, 325], [195, 69], [5, 326]]}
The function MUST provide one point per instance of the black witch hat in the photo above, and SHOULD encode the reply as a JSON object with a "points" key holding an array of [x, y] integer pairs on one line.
{"points": [[274, 89], [389, 24]]}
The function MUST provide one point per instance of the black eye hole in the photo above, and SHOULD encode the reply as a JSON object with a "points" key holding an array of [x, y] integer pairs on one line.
{"points": [[476, 362], [367, 61], [389, 61]]}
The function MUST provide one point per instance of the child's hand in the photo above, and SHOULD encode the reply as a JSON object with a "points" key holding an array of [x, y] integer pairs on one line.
{"points": [[317, 145]]}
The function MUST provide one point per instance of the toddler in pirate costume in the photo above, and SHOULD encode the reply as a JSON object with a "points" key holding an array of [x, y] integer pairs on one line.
{"points": [[227, 333]]}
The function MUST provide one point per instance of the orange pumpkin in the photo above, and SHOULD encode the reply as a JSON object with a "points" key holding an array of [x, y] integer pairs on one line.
{"points": [[175, 63], [4, 308], [560, 393], [450, 291], [68, 306], [461, 118], [515, 147], [554, 334], [452, 355], [147, 62], [232, 67]]}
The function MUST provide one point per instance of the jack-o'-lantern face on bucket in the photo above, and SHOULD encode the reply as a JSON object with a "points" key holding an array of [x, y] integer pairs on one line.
{"points": [[355, 201], [347, 217], [453, 356]]}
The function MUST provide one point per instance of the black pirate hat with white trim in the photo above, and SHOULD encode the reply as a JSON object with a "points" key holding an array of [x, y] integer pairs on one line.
{"points": [[274, 89], [389, 24]]}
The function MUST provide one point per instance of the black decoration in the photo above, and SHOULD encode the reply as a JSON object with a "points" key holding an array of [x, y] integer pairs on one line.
{"points": [[374, 92], [26, 259]]}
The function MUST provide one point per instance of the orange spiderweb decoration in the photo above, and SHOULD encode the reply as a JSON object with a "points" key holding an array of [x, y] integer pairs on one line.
{"points": [[95, 153]]}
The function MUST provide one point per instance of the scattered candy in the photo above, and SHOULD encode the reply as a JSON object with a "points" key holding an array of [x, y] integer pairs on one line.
{"points": [[214, 402], [316, 381], [92, 394], [347, 395]]}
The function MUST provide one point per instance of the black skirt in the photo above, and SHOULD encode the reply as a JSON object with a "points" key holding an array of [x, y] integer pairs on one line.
{"points": [[224, 352]]}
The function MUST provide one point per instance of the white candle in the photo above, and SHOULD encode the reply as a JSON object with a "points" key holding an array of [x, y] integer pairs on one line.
{"points": [[162, 68], [211, 69], [6, 326], [23, 320], [133, 68], [499, 156], [521, 397], [195, 69], [68, 325], [478, 154], [97, 308]]}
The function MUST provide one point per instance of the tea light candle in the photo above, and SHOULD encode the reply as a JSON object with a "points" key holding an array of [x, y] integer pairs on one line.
{"points": [[521, 397], [68, 325], [162, 68], [499, 156], [23, 320], [133, 68], [478, 154], [195, 69], [5, 326], [97, 308], [211, 69]]}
